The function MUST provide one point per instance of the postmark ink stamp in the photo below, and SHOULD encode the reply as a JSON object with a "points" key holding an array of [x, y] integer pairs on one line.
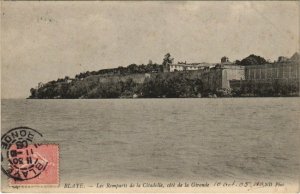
{"points": [[26, 160]]}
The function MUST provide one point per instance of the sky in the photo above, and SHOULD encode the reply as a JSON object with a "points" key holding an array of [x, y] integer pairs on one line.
{"points": [[43, 41]]}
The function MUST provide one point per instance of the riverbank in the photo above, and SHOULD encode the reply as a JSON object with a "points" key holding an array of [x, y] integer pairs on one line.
{"points": [[188, 84]]}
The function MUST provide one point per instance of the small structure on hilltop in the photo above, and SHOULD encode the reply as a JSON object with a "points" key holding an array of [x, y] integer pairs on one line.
{"points": [[189, 66], [283, 59], [225, 59], [295, 57], [184, 66]]}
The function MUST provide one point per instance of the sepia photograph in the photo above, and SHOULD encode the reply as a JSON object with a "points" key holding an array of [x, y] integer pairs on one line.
{"points": [[150, 96]]}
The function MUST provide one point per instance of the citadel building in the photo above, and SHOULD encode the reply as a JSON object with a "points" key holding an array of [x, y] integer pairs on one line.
{"points": [[228, 75]]}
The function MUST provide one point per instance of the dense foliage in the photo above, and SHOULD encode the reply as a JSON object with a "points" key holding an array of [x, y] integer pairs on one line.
{"points": [[174, 85], [253, 60], [130, 69], [159, 85], [86, 89], [268, 89], [81, 87]]}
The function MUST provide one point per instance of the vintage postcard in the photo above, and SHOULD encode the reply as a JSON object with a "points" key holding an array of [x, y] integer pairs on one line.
{"points": [[150, 96]]}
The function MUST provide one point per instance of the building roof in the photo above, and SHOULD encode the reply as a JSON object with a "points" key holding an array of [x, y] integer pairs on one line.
{"points": [[194, 64], [295, 57]]}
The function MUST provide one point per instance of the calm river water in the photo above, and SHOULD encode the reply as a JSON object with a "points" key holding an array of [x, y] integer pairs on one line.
{"points": [[163, 139]]}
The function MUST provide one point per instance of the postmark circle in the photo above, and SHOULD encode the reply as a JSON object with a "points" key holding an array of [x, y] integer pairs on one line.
{"points": [[19, 159]]}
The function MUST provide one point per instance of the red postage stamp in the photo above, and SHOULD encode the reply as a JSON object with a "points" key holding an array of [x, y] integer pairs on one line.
{"points": [[34, 165], [26, 160]]}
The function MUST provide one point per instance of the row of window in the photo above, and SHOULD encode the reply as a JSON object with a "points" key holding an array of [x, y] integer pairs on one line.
{"points": [[286, 72], [181, 67]]}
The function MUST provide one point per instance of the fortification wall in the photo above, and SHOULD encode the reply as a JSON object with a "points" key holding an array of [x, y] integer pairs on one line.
{"points": [[280, 70], [235, 73], [280, 77], [232, 73], [214, 78]]}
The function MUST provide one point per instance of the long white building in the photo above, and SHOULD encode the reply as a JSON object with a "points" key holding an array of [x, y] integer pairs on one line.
{"points": [[189, 66]]}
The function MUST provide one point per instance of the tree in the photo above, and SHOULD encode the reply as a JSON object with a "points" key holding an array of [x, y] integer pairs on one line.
{"points": [[253, 60], [238, 62], [167, 59], [132, 68], [33, 92]]}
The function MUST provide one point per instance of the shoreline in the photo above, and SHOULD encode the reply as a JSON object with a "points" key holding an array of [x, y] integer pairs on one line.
{"points": [[154, 98]]}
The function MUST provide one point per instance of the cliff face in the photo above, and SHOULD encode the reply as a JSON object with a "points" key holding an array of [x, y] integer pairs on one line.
{"points": [[177, 84], [94, 86]]}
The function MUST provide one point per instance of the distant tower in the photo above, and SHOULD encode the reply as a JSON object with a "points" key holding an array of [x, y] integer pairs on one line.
{"points": [[224, 59], [295, 57], [282, 59]]}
